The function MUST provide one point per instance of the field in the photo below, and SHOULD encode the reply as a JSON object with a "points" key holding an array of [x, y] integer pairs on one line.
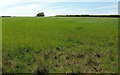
{"points": [[59, 45]]}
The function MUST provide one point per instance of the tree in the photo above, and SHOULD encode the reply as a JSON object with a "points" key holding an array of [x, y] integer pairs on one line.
{"points": [[41, 14]]}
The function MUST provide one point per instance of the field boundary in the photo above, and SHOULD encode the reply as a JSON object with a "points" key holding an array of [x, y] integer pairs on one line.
{"points": [[0, 45], [119, 37]]}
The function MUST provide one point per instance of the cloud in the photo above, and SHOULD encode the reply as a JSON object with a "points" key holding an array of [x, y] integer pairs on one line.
{"points": [[112, 12], [23, 10], [108, 7], [103, 10]]}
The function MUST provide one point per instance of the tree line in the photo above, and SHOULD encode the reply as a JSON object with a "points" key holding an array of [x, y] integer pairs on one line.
{"points": [[87, 16], [41, 14]]}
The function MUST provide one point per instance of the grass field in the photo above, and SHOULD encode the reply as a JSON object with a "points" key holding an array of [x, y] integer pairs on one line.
{"points": [[59, 45]]}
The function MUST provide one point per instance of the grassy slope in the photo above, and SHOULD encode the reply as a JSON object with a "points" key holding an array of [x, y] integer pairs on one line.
{"points": [[58, 45]]}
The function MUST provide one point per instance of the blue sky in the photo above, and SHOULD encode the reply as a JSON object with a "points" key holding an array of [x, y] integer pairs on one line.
{"points": [[32, 7]]}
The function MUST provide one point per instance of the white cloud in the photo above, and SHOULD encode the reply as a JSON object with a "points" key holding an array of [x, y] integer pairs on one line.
{"points": [[25, 10], [112, 12], [112, 9], [107, 7]]}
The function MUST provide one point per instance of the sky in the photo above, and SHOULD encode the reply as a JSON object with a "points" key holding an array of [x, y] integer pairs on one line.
{"points": [[55, 7]]}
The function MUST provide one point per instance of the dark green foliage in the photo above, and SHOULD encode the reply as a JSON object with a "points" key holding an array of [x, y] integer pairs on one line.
{"points": [[5, 16], [87, 16], [41, 14]]}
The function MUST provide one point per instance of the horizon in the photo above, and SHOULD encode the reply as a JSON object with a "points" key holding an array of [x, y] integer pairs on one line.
{"points": [[58, 15]]}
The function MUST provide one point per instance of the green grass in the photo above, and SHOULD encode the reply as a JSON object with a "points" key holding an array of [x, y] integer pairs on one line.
{"points": [[59, 45]]}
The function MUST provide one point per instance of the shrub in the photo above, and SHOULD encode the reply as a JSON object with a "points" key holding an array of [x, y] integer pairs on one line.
{"points": [[41, 14]]}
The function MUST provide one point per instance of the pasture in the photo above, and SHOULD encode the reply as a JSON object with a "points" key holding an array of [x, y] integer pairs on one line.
{"points": [[59, 45]]}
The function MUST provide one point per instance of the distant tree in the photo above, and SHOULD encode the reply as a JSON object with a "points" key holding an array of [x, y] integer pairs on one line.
{"points": [[5, 16], [41, 14]]}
